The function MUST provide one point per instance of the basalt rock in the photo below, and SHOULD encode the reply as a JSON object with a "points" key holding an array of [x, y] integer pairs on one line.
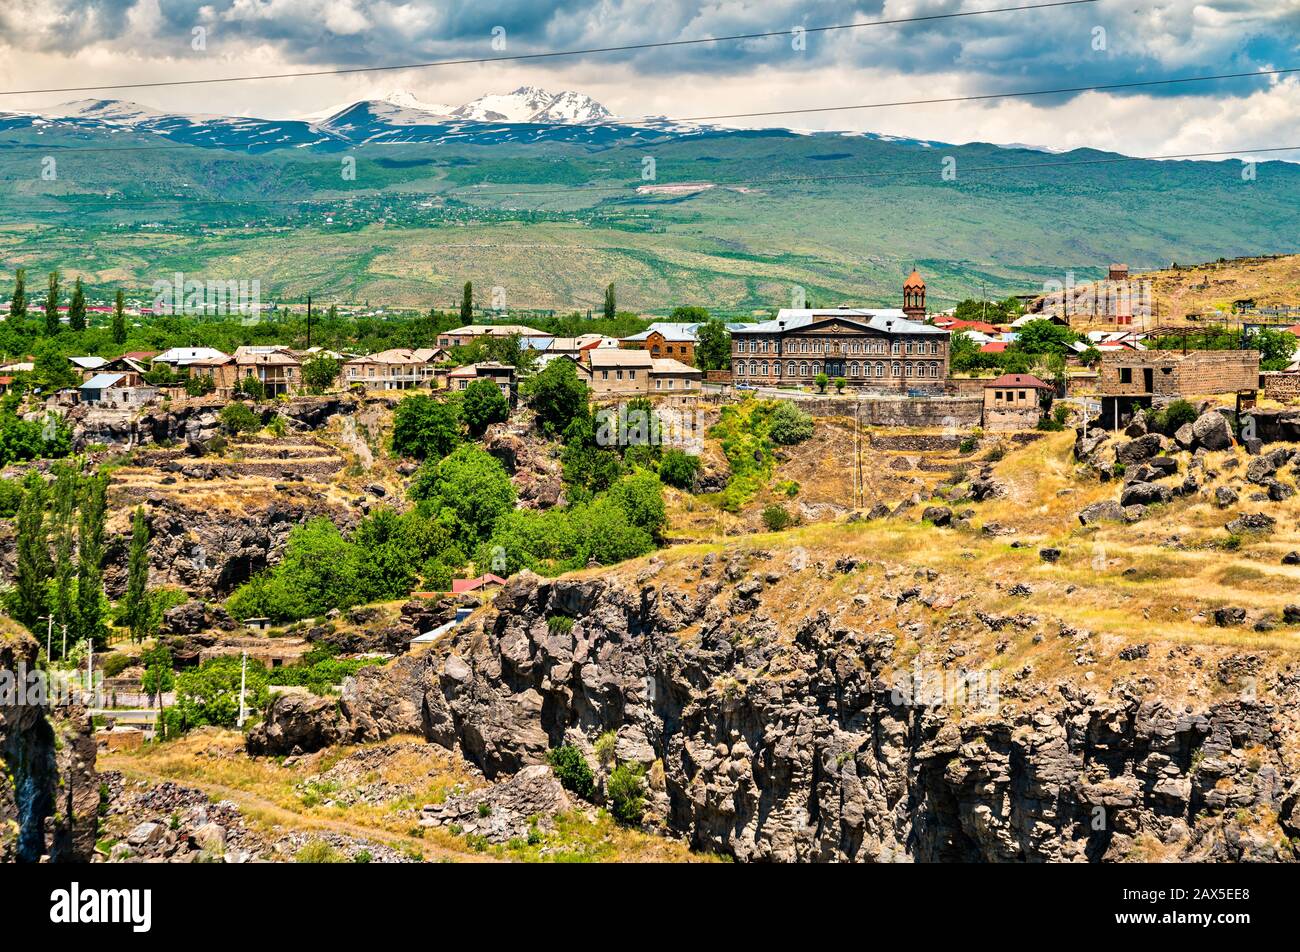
{"points": [[798, 748], [296, 724]]}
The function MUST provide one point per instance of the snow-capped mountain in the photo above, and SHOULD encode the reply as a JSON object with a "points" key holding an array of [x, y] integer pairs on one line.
{"points": [[528, 114], [530, 104]]}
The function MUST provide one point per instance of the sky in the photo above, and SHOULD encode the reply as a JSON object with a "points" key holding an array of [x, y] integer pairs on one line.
{"points": [[59, 43]]}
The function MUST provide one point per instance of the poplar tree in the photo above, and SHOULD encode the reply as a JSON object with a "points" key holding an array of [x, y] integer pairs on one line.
{"points": [[467, 303], [90, 559], [137, 578], [18, 304], [52, 305], [33, 568], [77, 308], [63, 505], [119, 318], [609, 302]]}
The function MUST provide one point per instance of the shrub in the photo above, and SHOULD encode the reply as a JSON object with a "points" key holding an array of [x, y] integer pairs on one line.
{"points": [[606, 745], [776, 517], [482, 405], [572, 770], [626, 792], [679, 469], [11, 494], [317, 851], [237, 418], [789, 425], [1171, 417]]}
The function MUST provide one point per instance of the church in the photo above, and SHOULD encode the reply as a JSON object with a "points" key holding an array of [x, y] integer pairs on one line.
{"points": [[890, 350]]}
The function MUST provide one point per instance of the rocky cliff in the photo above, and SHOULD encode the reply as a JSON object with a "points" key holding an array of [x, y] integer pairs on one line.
{"points": [[49, 791], [793, 742]]}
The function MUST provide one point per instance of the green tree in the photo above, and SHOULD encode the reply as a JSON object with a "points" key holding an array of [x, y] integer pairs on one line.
{"points": [[426, 428], [821, 380], [67, 489], [483, 404], [138, 610], [77, 308], [679, 469], [386, 569], [119, 318], [470, 485], [319, 372], [158, 676], [252, 388], [237, 418], [52, 325], [1044, 337], [467, 303], [789, 425], [90, 560], [209, 694], [641, 498], [27, 600], [611, 308], [319, 571], [1275, 348], [556, 395], [18, 303], [713, 346], [52, 369]]}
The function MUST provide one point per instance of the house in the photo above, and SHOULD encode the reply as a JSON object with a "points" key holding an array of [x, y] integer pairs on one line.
{"points": [[6, 382], [1014, 402], [395, 369], [110, 389], [952, 324], [666, 339], [87, 366], [502, 374], [670, 377], [460, 336], [21, 367], [994, 347], [1128, 380], [484, 583], [179, 358], [276, 367], [220, 370], [1117, 272], [615, 372], [133, 367]]}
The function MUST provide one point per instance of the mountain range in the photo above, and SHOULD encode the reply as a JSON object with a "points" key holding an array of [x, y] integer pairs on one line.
{"points": [[550, 197], [527, 114]]}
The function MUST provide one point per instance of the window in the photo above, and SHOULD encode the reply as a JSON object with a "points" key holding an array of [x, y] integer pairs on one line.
{"points": [[1126, 375], [997, 394], [604, 375], [897, 369], [909, 369], [740, 370], [1022, 394], [803, 368], [789, 368], [631, 374], [619, 374]]}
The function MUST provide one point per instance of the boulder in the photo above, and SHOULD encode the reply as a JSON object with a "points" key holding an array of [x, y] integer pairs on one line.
{"points": [[937, 515], [1225, 497], [1211, 431], [1251, 522], [1140, 449], [1107, 510], [1185, 437], [297, 723], [1144, 494]]}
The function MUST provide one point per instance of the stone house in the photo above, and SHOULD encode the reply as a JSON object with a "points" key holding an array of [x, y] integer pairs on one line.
{"points": [[1013, 402]]}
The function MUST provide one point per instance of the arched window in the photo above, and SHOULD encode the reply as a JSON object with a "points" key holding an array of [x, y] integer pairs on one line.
{"points": [[803, 368], [789, 368], [898, 369], [740, 368], [853, 370], [753, 367], [765, 368], [880, 369]]}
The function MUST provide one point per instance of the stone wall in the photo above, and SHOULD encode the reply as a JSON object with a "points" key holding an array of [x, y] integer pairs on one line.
{"points": [[1006, 419], [1177, 374], [896, 411], [1284, 388]]}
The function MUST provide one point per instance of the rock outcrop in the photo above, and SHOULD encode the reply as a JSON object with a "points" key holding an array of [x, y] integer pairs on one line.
{"points": [[796, 748]]}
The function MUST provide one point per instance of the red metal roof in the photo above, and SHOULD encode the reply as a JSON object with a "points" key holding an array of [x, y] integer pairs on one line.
{"points": [[459, 585]]}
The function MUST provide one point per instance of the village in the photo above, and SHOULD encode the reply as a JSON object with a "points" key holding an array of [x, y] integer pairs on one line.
{"points": [[288, 522]]}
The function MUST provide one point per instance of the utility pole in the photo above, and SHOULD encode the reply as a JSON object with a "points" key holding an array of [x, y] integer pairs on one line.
{"points": [[49, 639], [243, 683]]}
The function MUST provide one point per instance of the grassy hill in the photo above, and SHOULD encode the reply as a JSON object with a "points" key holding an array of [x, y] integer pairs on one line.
{"points": [[842, 217]]}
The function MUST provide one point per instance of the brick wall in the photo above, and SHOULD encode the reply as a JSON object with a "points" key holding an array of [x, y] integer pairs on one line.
{"points": [[1175, 374], [898, 411], [1284, 388]]}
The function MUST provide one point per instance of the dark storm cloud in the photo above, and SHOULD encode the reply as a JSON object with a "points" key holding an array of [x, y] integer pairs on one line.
{"points": [[997, 52]]}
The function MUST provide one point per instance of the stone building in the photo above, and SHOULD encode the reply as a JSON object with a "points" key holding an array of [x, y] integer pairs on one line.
{"points": [[888, 350], [1129, 380]]}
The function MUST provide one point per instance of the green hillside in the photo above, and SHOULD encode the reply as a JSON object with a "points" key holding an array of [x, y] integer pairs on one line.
{"points": [[842, 217]]}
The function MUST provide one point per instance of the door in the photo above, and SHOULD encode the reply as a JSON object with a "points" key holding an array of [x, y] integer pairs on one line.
{"points": [[1148, 380]]}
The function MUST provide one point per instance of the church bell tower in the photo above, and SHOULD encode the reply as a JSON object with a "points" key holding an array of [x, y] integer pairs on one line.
{"points": [[914, 297]]}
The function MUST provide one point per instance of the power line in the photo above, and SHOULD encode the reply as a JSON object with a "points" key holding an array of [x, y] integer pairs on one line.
{"points": [[636, 187], [745, 115], [1030, 92], [551, 54]]}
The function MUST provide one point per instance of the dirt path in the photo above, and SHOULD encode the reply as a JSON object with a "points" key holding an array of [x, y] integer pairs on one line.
{"points": [[271, 812]]}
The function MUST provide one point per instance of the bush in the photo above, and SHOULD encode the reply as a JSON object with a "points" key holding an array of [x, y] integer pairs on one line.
{"points": [[426, 428], [11, 494], [572, 771], [626, 792], [776, 517], [679, 469], [482, 405], [237, 418], [605, 747], [1171, 417], [789, 425]]}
